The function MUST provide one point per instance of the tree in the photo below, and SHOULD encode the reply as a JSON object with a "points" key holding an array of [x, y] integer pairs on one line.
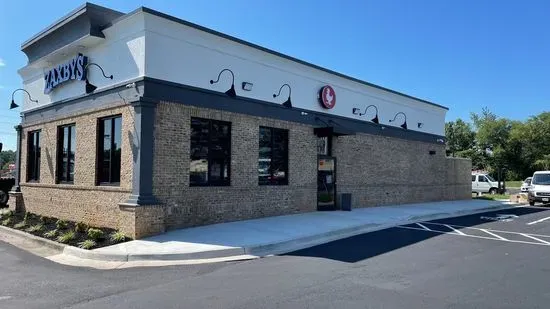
{"points": [[7, 157], [460, 136], [543, 163]]}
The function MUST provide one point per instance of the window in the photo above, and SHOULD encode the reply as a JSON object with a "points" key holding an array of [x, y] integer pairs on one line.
{"points": [[33, 156], [66, 145], [482, 179], [474, 178], [273, 157], [210, 153], [109, 149], [541, 179]]}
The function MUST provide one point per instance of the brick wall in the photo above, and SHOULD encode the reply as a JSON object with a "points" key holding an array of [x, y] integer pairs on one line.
{"points": [[244, 198], [380, 170], [83, 200]]}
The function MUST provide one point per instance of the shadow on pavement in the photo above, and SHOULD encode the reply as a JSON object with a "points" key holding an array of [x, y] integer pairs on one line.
{"points": [[361, 247]]}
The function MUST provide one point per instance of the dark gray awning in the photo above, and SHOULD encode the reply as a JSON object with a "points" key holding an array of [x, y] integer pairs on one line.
{"points": [[332, 131]]}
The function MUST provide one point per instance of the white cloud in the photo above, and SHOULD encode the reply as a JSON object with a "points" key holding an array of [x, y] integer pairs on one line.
{"points": [[2, 63]]}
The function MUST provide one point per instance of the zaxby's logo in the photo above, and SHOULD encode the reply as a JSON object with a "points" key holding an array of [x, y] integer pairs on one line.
{"points": [[327, 97], [72, 69]]}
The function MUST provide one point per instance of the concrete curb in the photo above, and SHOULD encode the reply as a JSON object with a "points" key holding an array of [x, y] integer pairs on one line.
{"points": [[262, 250], [35, 239]]}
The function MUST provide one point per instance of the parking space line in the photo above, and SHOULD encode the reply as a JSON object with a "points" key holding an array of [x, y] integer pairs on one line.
{"points": [[538, 221], [474, 228], [473, 236], [493, 234], [454, 230], [423, 226], [537, 239]]}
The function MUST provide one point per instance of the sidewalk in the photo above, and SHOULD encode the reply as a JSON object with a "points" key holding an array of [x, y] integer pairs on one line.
{"points": [[275, 235]]}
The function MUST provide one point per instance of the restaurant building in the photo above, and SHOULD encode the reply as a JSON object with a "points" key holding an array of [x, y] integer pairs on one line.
{"points": [[144, 122]]}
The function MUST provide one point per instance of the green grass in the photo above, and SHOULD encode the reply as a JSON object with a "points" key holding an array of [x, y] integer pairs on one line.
{"points": [[514, 184], [492, 197]]}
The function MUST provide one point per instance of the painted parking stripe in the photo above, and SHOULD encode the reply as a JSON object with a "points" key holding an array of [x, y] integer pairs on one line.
{"points": [[5, 297], [537, 239], [423, 227], [493, 234], [538, 221], [454, 230], [464, 228]]}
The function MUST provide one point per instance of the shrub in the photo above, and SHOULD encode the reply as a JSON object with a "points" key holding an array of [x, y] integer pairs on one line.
{"points": [[8, 214], [26, 217], [61, 224], [80, 227], [50, 234], [35, 228], [117, 237], [66, 237], [87, 244], [20, 225], [6, 222], [95, 234]]}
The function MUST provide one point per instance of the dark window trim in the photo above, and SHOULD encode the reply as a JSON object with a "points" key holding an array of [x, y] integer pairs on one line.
{"points": [[36, 163], [210, 156], [99, 143], [286, 156], [59, 158]]}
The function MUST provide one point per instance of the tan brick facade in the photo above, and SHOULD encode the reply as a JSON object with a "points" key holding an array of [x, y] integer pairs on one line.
{"points": [[376, 170], [83, 200]]}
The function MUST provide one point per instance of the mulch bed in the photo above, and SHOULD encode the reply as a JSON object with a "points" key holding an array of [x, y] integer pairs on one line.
{"points": [[50, 225]]}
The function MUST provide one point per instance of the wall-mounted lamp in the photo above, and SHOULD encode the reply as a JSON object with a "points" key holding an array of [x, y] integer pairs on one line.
{"points": [[13, 104], [303, 113], [440, 140], [287, 103], [247, 86], [420, 125], [404, 125], [231, 92], [357, 111], [89, 87]]}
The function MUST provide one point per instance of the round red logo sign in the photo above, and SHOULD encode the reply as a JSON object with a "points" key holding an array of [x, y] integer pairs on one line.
{"points": [[327, 97]]}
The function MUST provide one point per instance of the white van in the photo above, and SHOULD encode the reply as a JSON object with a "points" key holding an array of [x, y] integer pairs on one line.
{"points": [[539, 191], [484, 183]]}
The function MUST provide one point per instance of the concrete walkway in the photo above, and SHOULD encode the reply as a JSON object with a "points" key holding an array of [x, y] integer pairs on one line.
{"points": [[275, 235]]}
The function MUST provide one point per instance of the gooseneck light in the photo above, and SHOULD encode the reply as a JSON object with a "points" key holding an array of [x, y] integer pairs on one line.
{"points": [[287, 103], [357, 111], [404, 125], [231, 92], [90, 87], [13, 104]]}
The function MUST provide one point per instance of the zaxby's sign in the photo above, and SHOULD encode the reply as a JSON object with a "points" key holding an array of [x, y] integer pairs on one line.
{"points": [[72, 69]]}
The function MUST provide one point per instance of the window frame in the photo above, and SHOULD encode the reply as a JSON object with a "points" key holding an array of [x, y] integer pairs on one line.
{"points": [[34, 174], [210, 157], [60, 142], [99, 150], [283, 182]]}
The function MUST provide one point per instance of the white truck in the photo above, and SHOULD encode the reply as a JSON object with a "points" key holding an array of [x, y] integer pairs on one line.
{"points": [[539, 191], [483, 183]]}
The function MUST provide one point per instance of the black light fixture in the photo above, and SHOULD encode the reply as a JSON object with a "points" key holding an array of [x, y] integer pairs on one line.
{"points": [[89, 87], [357, 111], [287, 103], [13, 104], [404, 125], [420, 125], [231, 92]]}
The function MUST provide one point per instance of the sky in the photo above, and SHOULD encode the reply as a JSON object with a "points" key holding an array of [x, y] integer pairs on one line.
{"points": [[465, 55]]}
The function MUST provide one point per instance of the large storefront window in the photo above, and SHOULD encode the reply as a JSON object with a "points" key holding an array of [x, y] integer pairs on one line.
{"points": [[66, 145], [273, 157], [210, 153], [33, 156], [109, 150]]}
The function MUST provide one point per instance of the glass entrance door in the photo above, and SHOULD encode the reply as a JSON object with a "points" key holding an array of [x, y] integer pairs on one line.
{"points": [[326, 183]]}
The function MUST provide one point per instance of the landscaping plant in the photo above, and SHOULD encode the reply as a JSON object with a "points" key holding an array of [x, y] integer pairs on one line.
{"points": [[6, 222], [20, 225], [87, 244], [95, 234], [117, 237], [66, 237], [35, 228], [61, 224], [80, 227], [51, 234]]}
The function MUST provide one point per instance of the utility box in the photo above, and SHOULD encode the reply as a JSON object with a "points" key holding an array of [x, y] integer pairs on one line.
{"points": [[345, 201]]}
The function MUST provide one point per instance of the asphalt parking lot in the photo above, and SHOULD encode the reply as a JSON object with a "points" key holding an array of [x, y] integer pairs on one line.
{"points": [[496, 259]]}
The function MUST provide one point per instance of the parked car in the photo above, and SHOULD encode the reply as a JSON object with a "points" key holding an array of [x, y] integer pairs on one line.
{"points": [[539, 191], [484, 183], [526, 184], [5, 186]]}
